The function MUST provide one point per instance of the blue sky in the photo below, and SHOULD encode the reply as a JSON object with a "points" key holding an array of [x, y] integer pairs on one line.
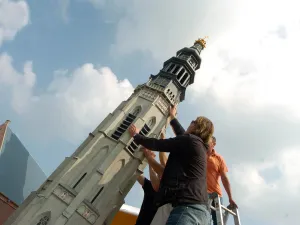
{"points": [[64, 65]]}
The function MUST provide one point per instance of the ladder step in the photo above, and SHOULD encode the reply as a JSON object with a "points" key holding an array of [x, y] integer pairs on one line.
{"points": [[228, 210]]}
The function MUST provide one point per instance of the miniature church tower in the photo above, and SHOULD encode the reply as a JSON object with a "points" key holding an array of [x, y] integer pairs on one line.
{"points": [[89, 187]]}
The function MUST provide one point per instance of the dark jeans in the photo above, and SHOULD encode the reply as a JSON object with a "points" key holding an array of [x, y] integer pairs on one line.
{"points": [[189, 214], [213, 212]]}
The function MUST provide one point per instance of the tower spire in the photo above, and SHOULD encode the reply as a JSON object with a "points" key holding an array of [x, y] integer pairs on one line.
{"points": [[201, 41]]}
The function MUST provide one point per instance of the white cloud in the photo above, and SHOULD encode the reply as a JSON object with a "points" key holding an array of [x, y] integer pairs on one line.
{"points": [[164, 27], [255, 71], [72, 104], [248, 80], [247, 50], [14, 15], [275, 202], [20, 85]]}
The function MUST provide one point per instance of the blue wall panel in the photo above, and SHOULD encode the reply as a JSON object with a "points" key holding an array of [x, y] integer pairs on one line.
{"points": [[19, 173]]}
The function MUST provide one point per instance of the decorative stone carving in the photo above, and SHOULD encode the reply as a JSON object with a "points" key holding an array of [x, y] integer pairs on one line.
{"points": [[63, 194], [161, 81], [148, 94], [87, 213], [156, 87], [163, 105], [171, 97]]}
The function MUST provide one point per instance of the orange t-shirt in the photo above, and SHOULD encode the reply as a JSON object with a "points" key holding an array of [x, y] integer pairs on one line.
{"points": [[215, 166]]}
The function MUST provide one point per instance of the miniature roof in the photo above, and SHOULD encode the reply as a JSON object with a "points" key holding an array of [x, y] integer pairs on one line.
{"points": [[3, 129]]}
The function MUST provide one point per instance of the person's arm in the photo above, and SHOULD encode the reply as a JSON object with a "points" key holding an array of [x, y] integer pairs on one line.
{"points": [[227, 187], [158, 168], [166, 145], [163, 158], [176, 127], [225, 181], [141, 180], [155, 182]]}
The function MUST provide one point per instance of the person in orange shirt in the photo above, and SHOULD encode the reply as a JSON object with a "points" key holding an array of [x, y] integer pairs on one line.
{"points": [[216, 168]]}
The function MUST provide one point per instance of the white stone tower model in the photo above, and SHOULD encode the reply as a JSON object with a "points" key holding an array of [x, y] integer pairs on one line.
{"points": [[89, 187]]}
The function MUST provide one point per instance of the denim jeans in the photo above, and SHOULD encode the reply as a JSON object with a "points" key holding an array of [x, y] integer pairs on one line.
{"points": [[189, 214], [213, 212]]}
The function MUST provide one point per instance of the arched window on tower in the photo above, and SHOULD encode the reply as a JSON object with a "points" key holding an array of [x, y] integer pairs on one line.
{"points": [[171, 67], [184, 78], [144, 131], [97, 194], [136, 111], [181, 72], [176, 69], [126, 123], [151, 122], [79, 180], [193, 62], [185, 84], [43, 221]]}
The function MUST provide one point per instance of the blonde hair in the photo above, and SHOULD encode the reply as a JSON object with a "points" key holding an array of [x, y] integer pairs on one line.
{"points": [[204, 129]]}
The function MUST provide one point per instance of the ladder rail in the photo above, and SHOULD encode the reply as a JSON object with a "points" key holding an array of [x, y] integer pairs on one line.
{"points": [[219, 213], [222, 217], [228, 210], [237, 220]]}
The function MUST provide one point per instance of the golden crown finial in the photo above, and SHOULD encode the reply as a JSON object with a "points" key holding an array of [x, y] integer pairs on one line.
{"points": [[201, 41]]}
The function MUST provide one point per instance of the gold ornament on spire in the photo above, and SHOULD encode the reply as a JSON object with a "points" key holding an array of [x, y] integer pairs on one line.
{"points": [[201, 41]]}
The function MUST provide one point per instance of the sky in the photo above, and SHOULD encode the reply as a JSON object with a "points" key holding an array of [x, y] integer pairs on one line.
{"points": [[66, 64]]}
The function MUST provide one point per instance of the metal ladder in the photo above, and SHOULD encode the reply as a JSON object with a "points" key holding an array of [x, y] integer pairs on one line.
{"points": [[222, 217]]}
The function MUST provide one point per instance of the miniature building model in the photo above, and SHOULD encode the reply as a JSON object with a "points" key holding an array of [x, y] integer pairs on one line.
{"points": [[89, 187]]}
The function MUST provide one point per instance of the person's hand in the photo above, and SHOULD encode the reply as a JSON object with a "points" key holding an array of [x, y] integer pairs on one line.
{"points": [[173, 111], [162, 135], [233, 204], [133, 130], [148, 153]]}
